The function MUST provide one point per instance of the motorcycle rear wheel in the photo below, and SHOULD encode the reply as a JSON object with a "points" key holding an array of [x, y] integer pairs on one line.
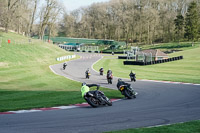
{"points": [[109, 81], [93, 102]]}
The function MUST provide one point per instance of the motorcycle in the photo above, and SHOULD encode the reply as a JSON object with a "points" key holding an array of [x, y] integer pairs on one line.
{"points": [[109, 78], [127, 91], [132, 77], [97, 98], [87, 75], [101, 72], [64, 66]]}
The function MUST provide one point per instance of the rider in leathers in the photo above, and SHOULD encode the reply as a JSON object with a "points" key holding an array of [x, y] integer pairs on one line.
{"points": [[64, 65], [85, 90], [120, 83]]}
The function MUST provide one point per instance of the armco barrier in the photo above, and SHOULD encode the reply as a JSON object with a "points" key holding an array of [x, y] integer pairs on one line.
{"points": [[152, 62], [68, 57], [125, 57], [122, 57]]}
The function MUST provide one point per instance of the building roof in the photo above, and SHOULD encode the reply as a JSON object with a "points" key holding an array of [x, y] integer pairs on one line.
{"points": [[155, 53]]}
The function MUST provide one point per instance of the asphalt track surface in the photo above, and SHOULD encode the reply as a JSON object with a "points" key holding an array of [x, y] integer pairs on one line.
{"points": [[156, 104]]}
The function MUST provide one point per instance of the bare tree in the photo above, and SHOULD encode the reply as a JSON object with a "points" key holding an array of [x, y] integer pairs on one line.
{"points": [[33, 15], [52, 20], [12, 6], [45, 15], [142, 21]]}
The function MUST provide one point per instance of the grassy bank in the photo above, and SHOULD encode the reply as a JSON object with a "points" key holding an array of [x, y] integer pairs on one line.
{"points": [[172, 46], [186, 70], [166, 47], [26, 80], [188, 127]]}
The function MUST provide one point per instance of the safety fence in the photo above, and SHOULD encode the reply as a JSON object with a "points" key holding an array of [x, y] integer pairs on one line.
{"points": [[68, 57], [125, 57], [152, 62], [80, 48]]}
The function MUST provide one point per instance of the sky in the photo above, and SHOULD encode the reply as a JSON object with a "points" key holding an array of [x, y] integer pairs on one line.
{"points": [[75, 4]]}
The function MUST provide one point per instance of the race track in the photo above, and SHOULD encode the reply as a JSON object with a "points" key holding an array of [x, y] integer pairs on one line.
{"points": [[157, 103]]}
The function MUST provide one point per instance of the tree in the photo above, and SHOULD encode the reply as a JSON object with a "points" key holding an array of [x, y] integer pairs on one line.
{"points": [[33, 16], [52, 21], [179, 25], [12, 6], [191, 22], [48, 15]]}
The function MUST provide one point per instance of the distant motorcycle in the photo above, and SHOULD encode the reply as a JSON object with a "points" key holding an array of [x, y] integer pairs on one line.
{"points": [[101, 71], [132, 76], [109, 78], [64, 66], [87, 75], [97, 98]]}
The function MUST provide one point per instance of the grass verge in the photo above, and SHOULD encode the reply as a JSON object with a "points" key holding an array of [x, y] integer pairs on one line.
{"points": [[187, 127]]}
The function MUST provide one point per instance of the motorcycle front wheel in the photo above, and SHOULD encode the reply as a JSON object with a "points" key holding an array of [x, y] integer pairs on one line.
{"points": [[107, 101], [108, 81], [129, 94]]}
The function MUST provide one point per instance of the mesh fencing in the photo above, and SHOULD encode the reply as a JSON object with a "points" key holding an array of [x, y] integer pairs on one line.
{"points": [[144, 57]]}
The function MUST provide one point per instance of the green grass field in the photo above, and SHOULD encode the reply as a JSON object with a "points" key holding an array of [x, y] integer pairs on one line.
{"points": [[188, 127], [172, 46], [186, 70], [27, 82]]}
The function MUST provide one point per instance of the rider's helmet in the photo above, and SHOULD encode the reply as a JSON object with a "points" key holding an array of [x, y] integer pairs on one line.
{"points": [[83, 83], [119, 80]]}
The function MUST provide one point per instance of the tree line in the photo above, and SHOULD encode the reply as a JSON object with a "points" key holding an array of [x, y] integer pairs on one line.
{"points": [[140, 21], [31, 17]]}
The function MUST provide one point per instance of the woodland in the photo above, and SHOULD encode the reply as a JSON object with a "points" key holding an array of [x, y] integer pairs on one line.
{"points": [[132, 21]]}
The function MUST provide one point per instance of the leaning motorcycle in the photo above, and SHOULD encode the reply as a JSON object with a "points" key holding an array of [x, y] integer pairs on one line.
{"points": [[97, 98], [109, 78], [127, 91]]}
